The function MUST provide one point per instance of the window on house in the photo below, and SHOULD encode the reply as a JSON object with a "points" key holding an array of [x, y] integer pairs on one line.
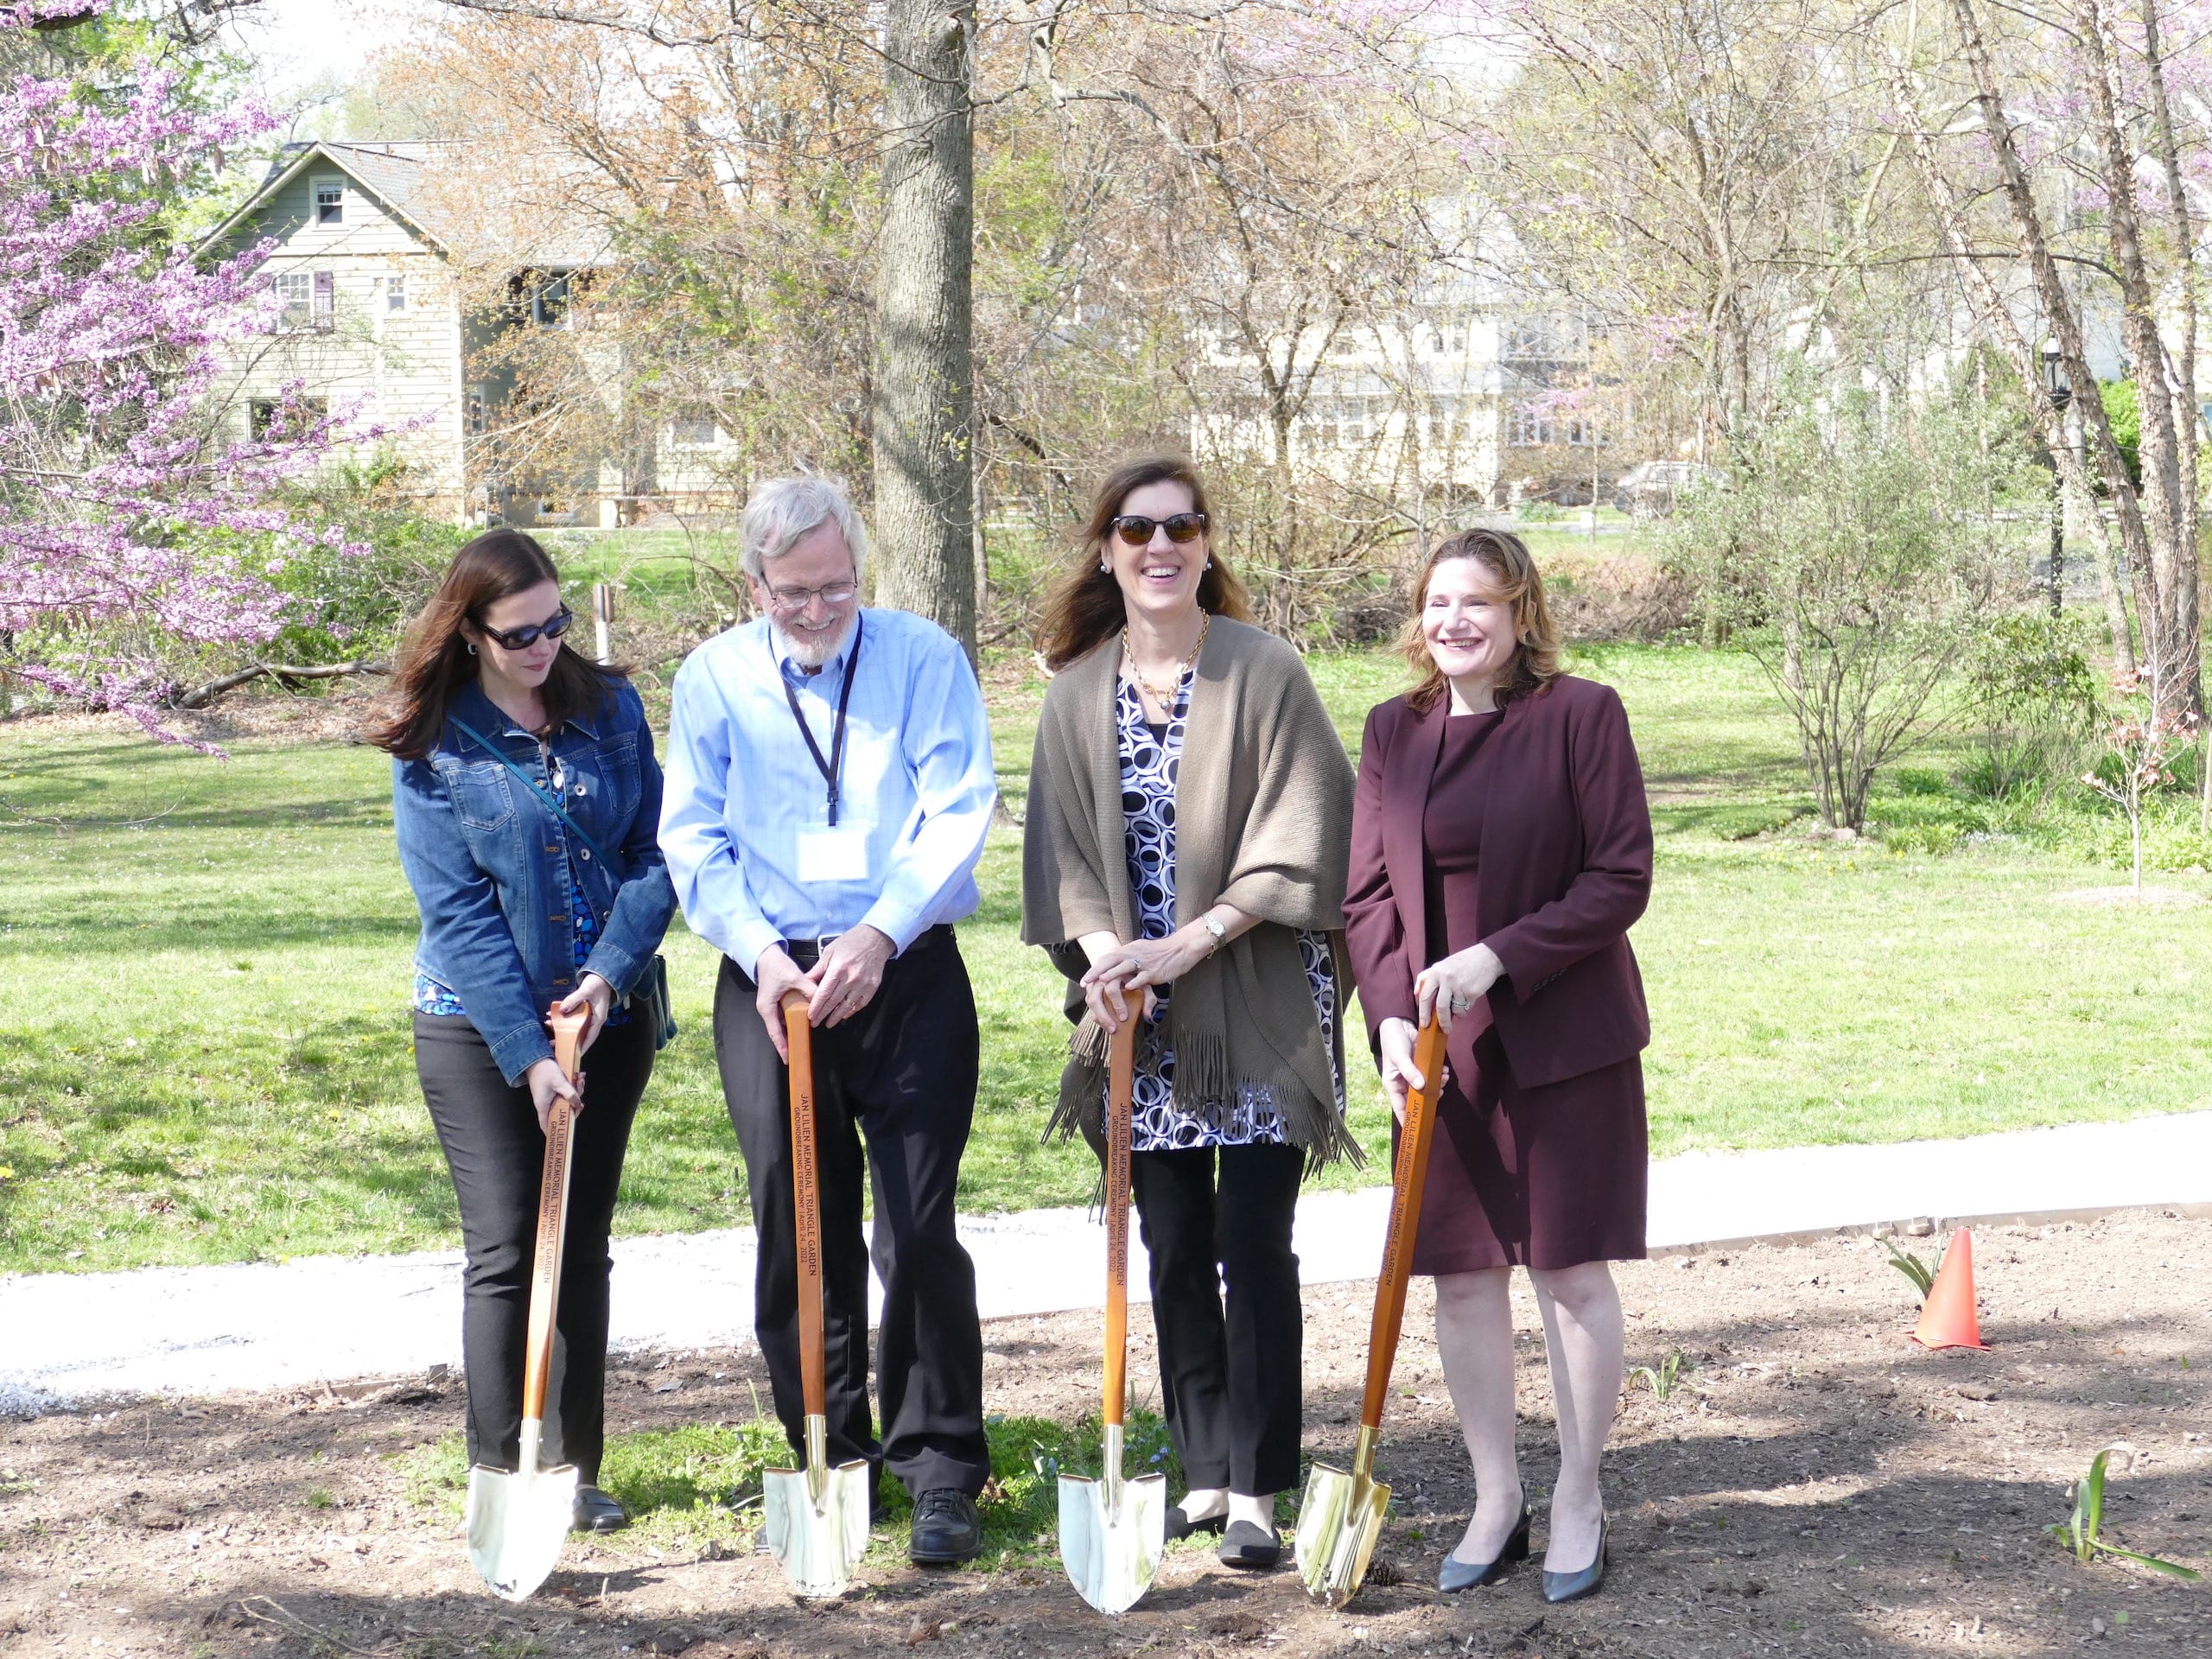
{"points": [[330, 202], [295, 292], [1530, 427], [694, 427], [395, 293], [268, 415], [324, 310], [1545, 339], [477, 413], [541, 297], [1336, 422]]}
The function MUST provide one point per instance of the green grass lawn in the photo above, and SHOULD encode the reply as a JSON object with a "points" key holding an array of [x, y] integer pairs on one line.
{"points": [[204, 966]]}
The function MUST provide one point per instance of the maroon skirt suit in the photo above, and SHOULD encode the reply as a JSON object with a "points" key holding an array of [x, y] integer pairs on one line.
{"points": [[1526, 829]]}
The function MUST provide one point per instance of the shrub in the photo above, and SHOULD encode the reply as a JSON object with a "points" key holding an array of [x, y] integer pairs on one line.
{"points": [[2038, 699], [1857, 549], [354, 604]]}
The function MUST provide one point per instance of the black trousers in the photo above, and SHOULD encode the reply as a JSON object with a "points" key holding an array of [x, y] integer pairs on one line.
{"points": [[902, 1072], [1231, 1381], [496, 1153]]}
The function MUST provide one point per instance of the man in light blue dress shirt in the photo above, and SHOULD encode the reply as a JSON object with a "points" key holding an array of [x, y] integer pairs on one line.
{"points": [[828, 787]]}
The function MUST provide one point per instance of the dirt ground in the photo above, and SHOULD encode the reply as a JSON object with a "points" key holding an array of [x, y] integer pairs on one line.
{"points": [[1813, 1485]]}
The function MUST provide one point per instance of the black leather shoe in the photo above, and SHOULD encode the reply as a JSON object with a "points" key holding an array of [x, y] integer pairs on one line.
{"points": [[947, 1530], [1572, 1587], [1250, 1547], [1456, 1574], [596, 1512], [1181, 1526]]}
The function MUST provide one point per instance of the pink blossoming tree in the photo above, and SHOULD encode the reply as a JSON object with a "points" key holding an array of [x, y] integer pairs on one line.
{"points": [[133, 507]]}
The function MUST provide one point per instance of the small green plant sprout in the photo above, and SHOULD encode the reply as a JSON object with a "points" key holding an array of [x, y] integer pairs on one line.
{"points": [[1923, 1273], [2078, 1532], [1660, 1378]]}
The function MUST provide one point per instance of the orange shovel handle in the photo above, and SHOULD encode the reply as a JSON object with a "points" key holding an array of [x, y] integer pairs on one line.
{"points": [[1121, 1088], [813, 1361], [552, 1218], [1414, 1140]]}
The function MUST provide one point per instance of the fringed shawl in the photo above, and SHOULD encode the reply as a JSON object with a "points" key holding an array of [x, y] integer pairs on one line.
{"points": [[1262, 821]]}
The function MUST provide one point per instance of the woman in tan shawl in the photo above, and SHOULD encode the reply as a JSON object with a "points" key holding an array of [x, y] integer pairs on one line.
{"points": [[1189, 821]]}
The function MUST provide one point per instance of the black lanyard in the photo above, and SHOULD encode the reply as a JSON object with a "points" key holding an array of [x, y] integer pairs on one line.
{"points": [[835, 764]]}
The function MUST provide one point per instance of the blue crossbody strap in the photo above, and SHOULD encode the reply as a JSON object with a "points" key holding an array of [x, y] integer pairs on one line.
{"points": [[552, 803]]}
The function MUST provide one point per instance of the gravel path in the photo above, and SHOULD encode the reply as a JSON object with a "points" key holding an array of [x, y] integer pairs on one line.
{"points": [[71, 1338]]}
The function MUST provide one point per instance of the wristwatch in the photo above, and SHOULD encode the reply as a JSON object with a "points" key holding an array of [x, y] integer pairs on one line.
{"points": [[1212, 925]]}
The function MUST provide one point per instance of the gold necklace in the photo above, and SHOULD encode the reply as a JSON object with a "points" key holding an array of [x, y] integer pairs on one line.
{"points": [[1165, 699]]}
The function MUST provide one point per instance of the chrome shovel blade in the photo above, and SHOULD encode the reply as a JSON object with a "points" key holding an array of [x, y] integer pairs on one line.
{"points": [[1339, 1525], [817, 1537], [517, 1524], [1111, 1549]]}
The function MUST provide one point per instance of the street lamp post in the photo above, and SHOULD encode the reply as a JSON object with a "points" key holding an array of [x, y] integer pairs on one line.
{"points": [[2062, 394]]}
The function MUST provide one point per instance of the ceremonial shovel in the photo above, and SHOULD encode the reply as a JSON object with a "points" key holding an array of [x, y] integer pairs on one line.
{"points": [[518, 1523], [1113, 1530], [817, 1517], [1342, 1516]]}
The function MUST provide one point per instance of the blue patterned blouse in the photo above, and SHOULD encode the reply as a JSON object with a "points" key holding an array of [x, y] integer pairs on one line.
{"points": [[1150, 760]]}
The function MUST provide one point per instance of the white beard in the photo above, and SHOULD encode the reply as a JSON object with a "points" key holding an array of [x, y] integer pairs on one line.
{"points": [[812, 650]]}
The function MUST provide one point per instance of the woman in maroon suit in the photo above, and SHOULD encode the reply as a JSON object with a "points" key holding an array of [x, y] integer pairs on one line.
{"points": [[1501, 849]]}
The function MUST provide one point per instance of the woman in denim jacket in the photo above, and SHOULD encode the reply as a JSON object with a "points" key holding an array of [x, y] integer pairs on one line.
{"points": [[520, 913]]}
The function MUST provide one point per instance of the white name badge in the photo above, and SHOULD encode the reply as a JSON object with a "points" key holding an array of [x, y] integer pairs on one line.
{"points": [[827, 854]]}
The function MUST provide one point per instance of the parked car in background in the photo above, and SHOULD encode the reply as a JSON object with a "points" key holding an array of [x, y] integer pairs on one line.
{"points": [[1651, 490]]}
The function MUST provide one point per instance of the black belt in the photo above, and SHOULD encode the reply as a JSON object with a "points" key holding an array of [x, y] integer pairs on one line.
{"points": [[806, 952]]}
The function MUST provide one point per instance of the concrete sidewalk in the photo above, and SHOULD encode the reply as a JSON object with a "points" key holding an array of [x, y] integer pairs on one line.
{"points": [[72, 1338]]}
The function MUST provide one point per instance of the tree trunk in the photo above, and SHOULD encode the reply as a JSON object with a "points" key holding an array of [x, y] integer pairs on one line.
{"points": [[924, 392], [2064, 322], [2173, 657], [2187, 421], [2003, 328]]}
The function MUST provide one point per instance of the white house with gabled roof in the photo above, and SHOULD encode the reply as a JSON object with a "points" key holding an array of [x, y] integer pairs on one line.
{"points": [[374, 319]]}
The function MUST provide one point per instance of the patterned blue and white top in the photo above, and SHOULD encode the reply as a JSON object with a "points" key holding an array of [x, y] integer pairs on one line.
{"points": [[1149, 761]]}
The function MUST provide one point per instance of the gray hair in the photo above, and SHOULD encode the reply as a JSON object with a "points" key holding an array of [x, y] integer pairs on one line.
{"points": [[783, 510]]}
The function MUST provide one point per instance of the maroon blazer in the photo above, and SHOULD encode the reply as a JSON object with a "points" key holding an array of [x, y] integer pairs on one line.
{"points": [[1566, 870]]}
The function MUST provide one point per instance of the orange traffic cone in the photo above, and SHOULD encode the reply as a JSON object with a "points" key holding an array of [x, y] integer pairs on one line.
{"points": [[1947, 1317]]}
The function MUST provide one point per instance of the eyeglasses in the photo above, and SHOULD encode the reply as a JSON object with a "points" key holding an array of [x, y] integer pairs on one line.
{"points": [[522, 638], [1136, 529], [798, 599]]}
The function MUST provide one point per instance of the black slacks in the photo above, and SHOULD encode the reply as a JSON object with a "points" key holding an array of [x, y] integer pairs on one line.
{"points": [[496, 1153], [902, 1072], [1231, 1383]]}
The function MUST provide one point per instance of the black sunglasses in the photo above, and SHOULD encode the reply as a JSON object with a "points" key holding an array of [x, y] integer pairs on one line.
{"points": [[1136, 529], [522, 638]]}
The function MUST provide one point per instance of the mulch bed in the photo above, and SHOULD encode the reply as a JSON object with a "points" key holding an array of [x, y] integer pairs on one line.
{"points": [[1813, 1485]]}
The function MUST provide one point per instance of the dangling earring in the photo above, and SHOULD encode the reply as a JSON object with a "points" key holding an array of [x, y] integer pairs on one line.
{"points": [[471, 644]]}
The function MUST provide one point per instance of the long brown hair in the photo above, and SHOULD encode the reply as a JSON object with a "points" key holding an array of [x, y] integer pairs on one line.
{"points": [[434, 661], [1083, 607], [1536, 636]]}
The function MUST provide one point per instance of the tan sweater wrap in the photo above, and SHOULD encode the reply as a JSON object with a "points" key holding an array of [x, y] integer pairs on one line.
{"points": [[1263, 822]]}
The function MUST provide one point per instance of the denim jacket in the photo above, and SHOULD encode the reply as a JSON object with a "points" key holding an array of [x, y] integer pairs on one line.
{"points": [[489, 864]]}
